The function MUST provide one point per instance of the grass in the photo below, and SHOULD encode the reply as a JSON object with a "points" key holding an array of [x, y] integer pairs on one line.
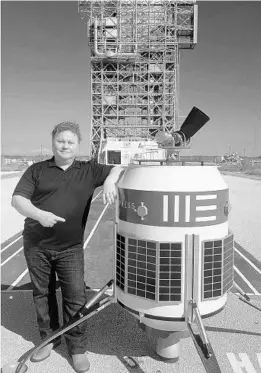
{"points": [[246, 169], [13, 167]]}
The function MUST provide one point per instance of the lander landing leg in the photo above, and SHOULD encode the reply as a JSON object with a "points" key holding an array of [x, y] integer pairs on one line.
{"points": [[192, 315], [200, 339]]}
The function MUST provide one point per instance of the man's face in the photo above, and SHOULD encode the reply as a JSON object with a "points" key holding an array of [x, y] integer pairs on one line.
{"points": [[65, 145]]}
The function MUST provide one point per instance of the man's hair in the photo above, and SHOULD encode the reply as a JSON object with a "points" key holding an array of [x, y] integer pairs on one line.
{"points": [[67, 126]]}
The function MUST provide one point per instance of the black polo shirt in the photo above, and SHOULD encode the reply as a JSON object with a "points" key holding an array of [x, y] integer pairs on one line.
{"points": [[67, 194]]}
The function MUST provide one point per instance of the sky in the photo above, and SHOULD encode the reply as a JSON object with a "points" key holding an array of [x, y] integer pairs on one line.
{"points": [[45, 76]]}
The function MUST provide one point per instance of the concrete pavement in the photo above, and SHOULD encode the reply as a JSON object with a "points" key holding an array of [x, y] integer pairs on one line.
{"points": [[115, 339], [245, 199], [11, 221]]}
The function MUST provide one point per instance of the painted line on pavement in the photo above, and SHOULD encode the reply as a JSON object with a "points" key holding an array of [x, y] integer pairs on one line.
{"points": [[11, 256], [95, 226], [247, 254], [11, 243], [248, 261], [97, 195], [17, 280], [246, 281]]}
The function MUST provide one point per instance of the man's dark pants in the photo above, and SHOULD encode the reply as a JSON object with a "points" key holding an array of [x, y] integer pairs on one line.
{"points": [[69, 266]]}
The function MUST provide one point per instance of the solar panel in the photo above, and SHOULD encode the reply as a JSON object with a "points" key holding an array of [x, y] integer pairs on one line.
{"points": [[120, 261], [142, 268], [228, 275], [144, 260], [153, 269], [170, 272], [217, 267]]}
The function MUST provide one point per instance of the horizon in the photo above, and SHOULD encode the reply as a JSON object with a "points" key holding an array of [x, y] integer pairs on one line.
{"points": [[88, 155]]}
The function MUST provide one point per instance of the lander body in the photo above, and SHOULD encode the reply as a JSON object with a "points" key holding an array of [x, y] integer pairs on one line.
{"points": [[173, 246]]}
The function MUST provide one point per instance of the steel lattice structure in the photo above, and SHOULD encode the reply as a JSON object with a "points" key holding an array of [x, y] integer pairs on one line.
{"points": [[135, 46]]}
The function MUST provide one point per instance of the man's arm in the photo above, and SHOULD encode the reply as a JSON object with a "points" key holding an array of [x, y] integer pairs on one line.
{"points": [[109, 187], [25, 207]]}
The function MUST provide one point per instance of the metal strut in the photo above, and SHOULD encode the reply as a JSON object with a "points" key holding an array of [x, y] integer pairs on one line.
{"points": [[192, 315], [88, 310], [202, 342], [245, 298]]}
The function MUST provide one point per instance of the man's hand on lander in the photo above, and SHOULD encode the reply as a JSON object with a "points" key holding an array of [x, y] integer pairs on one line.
{"points": [[109, 192]]}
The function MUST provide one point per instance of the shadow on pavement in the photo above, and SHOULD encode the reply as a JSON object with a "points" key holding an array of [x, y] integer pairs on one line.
{"points": [[233, 331], [111, 332]]}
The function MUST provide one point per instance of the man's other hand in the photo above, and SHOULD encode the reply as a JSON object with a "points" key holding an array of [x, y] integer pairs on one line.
{"points": [[48, 219], [109, 192]]}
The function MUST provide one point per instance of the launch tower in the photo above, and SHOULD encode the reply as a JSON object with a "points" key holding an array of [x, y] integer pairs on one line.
{"points": [[135, 52]]}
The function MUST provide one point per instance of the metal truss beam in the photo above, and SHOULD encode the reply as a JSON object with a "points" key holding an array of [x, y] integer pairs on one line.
{"points": [[135, 48]]}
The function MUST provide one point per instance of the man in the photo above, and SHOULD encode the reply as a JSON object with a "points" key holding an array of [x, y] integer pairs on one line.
{"points": [[55, 197]]}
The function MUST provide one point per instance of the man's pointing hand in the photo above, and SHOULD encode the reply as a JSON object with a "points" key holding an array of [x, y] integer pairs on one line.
{"points": [[48, 219]]}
